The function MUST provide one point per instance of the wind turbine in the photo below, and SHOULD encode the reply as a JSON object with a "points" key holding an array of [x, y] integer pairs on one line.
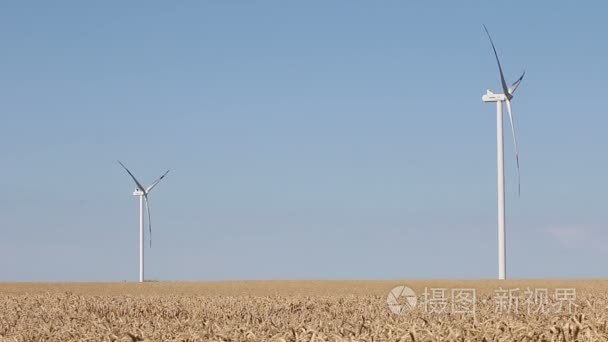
{"points": [[506, 96], [143, 197]]}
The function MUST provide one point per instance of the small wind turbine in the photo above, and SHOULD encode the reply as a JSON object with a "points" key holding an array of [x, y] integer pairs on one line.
{"points": [[143, 196], [506, 96]]}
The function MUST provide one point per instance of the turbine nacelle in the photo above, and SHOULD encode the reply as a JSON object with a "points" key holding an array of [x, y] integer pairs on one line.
{"points": [[138, 192], [491, 97]]}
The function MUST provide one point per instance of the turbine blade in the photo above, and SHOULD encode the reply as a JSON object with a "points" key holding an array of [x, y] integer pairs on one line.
{"points": [[156, 182], [139, 186], [516, 147], [505, 89], [149, 220], [516, 84]]}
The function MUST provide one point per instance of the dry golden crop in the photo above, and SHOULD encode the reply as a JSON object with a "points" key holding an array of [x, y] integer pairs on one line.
{"points": [[287, 311]]}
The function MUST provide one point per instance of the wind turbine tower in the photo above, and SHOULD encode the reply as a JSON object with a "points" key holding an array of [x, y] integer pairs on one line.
{"points": [[505, 97], [143, 193]]}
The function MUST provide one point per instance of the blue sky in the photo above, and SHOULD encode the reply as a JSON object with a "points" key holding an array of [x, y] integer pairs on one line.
{"points": [[306, 140]]}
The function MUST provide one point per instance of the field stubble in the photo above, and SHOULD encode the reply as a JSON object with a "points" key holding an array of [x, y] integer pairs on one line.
{"points": [[285, 311]]}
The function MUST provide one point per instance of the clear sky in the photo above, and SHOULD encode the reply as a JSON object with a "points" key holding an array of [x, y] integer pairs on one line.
{"points": [[306, 139]]}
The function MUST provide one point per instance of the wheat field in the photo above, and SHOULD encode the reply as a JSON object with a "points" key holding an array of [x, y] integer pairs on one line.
{"points": [[301, 311]]}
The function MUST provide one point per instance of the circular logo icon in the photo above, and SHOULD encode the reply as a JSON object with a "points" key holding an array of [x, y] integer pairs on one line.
{"points": [[401, 299]]}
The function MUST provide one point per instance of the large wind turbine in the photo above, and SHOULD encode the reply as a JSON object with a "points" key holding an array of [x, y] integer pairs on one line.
{"points": [[506, 96], [143, 197]]}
